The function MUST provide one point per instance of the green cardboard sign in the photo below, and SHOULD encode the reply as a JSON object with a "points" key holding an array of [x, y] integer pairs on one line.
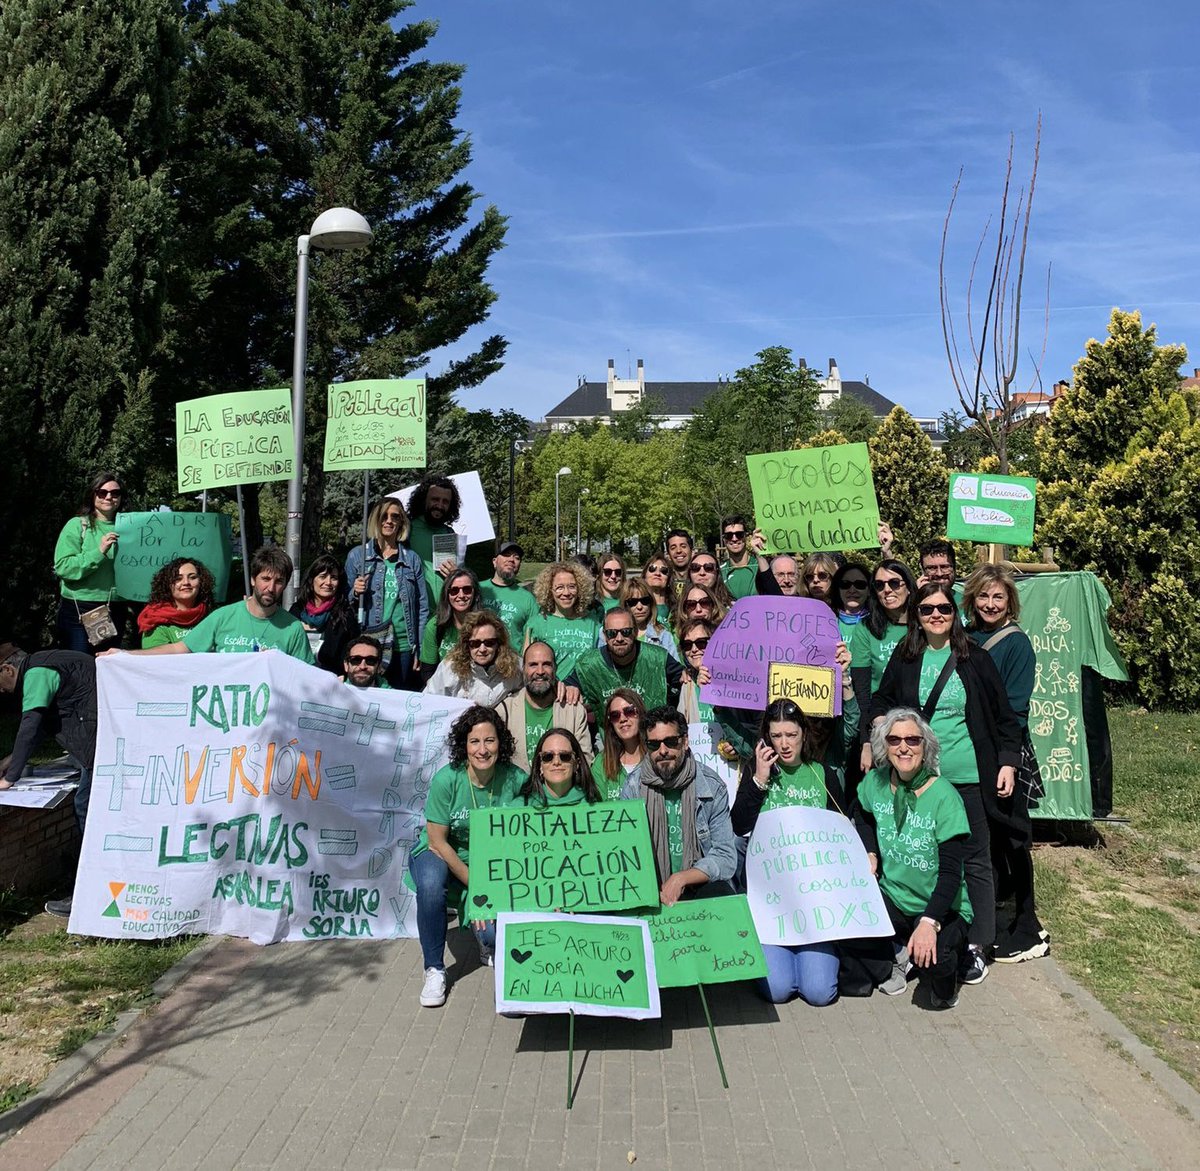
{"points": [[815, 498], [240, 438], [991, 508], [378, 423], [561, 858], [581, 963], [146, 541], [706, 941]]}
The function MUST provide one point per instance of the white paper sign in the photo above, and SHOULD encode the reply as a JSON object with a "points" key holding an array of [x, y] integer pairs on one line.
{"points": [[808, 879], [703, 739], [474, 520], [253, 795]]}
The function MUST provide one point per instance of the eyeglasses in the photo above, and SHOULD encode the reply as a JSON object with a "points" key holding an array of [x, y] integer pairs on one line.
{"points": [[692, 603], [363, 660], [611, 572], [925, 609], [704, 566], [637, 601], [476, 643], [457, 591], [895, 584], [618, 632], [694, 644], [113, 494], [557, 757], [665, 742], [911, 741], [847, 584], [622, 713], [818, 577], [734, 534], [391, 518], [945, 567]]}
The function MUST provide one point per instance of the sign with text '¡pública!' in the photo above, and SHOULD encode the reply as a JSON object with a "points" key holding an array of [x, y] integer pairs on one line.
{"points": [[589, 964], [377, 423], [561, 858], [991, 508], [239, 438], [815, 498]]}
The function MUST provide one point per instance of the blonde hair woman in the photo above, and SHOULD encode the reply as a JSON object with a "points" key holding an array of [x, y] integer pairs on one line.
{"points": [[565, 620]]}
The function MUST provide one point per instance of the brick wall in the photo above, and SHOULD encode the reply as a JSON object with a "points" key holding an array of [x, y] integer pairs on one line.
{"points": [[38, 848]]}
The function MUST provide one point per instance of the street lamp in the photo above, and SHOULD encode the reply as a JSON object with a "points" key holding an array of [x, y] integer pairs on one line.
{"points": [[579, 517], [515, 446], [337, 230], [557, 539]]}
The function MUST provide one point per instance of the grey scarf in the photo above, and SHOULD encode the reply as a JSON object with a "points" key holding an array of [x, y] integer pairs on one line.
{"points": [[653, 787]]}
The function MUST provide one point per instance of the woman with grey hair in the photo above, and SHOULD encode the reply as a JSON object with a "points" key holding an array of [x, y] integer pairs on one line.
{"points": [[914, 826]]}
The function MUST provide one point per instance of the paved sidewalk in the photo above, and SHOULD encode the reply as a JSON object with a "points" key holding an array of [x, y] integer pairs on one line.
{"points": [[317, 1055]]}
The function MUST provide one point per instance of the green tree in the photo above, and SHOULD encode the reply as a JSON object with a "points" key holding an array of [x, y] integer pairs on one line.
{"points": [[910, 482], [86, 233], [851, 418], [298, 105]]}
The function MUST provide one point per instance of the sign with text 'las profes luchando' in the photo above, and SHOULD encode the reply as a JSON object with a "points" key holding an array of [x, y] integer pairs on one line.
{"points": [[240, 438], [815, 498], [379, 423]]}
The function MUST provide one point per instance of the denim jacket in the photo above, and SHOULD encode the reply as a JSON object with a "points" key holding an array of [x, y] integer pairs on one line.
{"points": [[714, 830], [410, 574]]}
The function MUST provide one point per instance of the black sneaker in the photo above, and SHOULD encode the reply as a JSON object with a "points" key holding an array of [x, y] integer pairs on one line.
{"points": [[60, 907], [973, 969], [1020, 948]]}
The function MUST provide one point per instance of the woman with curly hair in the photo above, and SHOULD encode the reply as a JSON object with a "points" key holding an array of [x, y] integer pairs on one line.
{"points": [[181, 593], [460, 597], [624, 742], [559, 773], [325, 611], [481, 666], [698, 603], [480, 775], [565, 619]]}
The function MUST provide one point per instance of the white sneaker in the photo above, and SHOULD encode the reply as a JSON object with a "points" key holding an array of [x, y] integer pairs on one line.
{"points": [[433, 991], [487, 956]]}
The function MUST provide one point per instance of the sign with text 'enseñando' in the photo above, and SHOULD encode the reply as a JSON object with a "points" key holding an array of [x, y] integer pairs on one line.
{"points": [[561, 858], [991, 508], [240, 438], [378, 423], [815, 498], [148, 540]]}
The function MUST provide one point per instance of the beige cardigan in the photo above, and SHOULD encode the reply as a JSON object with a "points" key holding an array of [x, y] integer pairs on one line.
{"points": [[573, 718]]}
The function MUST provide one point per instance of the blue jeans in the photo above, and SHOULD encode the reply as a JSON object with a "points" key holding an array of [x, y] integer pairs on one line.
{"points": [[400, 671], [432, 878], [809, 970]]}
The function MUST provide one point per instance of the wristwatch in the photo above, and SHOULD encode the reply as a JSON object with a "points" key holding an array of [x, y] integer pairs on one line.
{"points": [[937, 927]]}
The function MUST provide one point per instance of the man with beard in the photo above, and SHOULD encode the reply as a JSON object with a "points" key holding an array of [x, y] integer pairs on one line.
{"points": [[534, 710], [687, 806], [515, 604], [362, 665], [258, 623], [625, 661], [432, 508], [680, 547]]}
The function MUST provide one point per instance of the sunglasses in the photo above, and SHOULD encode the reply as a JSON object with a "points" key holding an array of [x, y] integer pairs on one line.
{"points": [[817, 577], [704, 566], [557, 757], [618, 632], [115, 494], [622, 713], [611, 572], [694, 644], [665, 742], [476, 643], [734, 534], [895, 584], [911, 741], [457, 591], [637, 601], [925, 609], [656, 569], [360, 660], [691, 603], [860, 584]]}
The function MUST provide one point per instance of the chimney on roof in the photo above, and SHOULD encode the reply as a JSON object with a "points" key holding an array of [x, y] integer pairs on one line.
{"points": [[641, 377]]}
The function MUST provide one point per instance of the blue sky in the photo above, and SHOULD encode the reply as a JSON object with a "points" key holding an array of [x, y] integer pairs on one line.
{"points": [[690, 181]]}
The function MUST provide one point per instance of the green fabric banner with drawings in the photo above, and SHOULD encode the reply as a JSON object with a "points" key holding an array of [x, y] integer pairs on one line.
{"points": [[239, 438], [1065, 616]]}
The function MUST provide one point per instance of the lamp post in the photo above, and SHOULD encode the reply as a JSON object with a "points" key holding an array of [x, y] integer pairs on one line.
{"points": [[557, 539], [579, 517], [337, 230], [515, 446]]}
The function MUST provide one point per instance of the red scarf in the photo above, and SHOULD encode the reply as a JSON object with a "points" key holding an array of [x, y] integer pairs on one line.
{"points": [[158, 614]]}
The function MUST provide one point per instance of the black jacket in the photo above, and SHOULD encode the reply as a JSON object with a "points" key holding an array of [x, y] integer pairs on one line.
{"points": [[71, 719], [341, 626], [749, 801]]}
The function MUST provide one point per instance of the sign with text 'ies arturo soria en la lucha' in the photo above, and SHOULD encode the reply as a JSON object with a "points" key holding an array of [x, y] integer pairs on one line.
{"points": [[240, 438], [378, 423]]}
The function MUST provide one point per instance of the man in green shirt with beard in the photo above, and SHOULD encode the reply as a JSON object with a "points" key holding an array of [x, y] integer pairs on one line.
{"points": [[432, 508], [535, 709], [624, 661], [515, 604]]}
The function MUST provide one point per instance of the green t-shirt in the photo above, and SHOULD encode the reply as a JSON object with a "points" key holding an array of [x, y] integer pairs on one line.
{"points": [[393, 608], [569, 637], [163, 635], [515, 605], [537, 723], [909, 860], [673, 803], [804, 784], [949, 721], [452, 797], [234, 630], [739, 580], [420, 541], [86, 574], [609, 790], [607, 604], [432, 651], [39, 687], [868, 651], [573, 796]]}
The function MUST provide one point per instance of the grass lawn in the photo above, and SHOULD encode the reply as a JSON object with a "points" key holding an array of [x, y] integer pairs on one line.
{"points": [[1124, 912]]}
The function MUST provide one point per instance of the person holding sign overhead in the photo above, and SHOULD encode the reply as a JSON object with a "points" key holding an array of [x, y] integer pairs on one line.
{"points": [[181, 595], [480, 775], [560, 774], [688, 808], [432, 508], [387, 585]]}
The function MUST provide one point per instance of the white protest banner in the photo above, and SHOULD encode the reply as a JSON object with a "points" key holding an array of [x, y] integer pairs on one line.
{"points": [[808, 879], [595, 965], [253, 795], [703, 739], [474, 521]]}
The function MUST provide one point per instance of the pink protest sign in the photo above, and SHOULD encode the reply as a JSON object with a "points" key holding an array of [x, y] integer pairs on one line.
{"points": [[759, 631]]}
